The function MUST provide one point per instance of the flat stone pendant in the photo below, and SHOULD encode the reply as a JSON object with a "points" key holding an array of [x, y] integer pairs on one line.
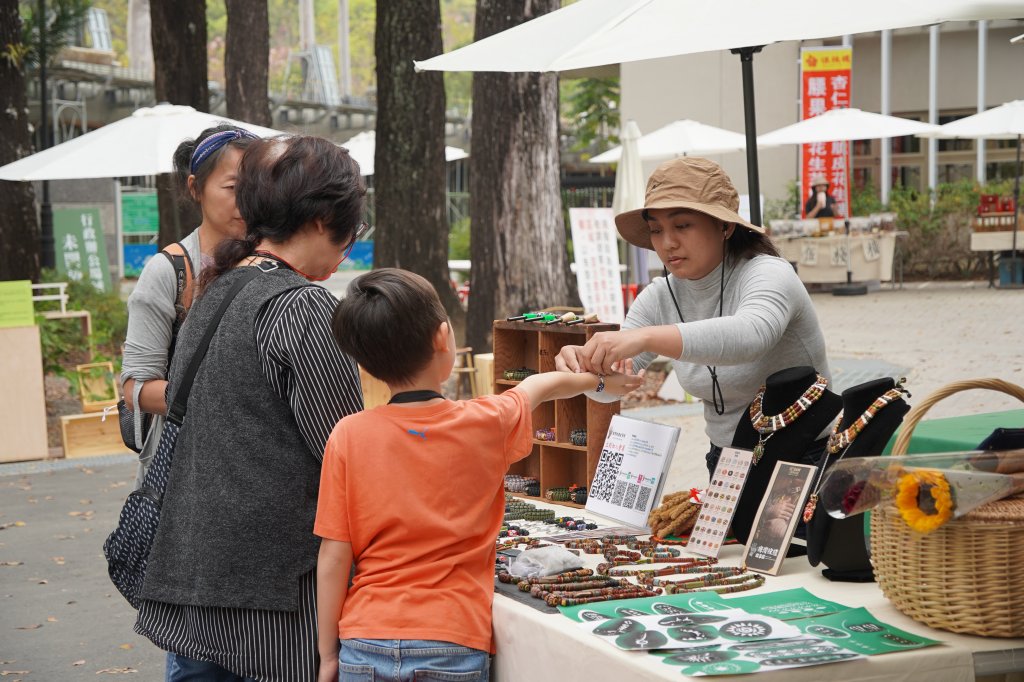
{"points": [[812, 503], [758, 451]]}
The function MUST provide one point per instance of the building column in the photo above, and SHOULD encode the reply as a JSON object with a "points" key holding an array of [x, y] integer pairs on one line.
{"points": [[885, 181], [979, 145], [933, 107]]}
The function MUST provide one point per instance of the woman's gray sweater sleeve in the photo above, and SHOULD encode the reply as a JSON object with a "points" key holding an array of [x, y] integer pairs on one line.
{"points": [[150, 320]]}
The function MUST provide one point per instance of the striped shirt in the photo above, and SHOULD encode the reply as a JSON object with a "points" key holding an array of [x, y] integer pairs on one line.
{"points": [[273, 645]]}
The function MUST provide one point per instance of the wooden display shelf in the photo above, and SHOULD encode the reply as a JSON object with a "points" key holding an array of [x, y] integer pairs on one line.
{"points": [[557, 463]]}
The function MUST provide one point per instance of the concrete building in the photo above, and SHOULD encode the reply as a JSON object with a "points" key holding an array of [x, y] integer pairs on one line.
{"points": [[707, 88]]}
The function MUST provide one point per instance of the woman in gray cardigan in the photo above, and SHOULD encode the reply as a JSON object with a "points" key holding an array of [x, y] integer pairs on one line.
{"points": [[205, 168]]}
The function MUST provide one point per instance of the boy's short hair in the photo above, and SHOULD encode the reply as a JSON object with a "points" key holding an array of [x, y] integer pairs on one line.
{"points": [[387, 322]]}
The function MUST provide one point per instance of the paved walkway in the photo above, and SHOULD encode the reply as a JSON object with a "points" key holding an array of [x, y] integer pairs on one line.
{"points": [[61, 619]]}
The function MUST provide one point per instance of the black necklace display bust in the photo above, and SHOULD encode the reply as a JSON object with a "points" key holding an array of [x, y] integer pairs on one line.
{"points": [[841, 544], [795, 443]]}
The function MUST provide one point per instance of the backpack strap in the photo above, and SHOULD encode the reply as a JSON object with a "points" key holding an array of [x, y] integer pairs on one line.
{"points": [[183, 289]]}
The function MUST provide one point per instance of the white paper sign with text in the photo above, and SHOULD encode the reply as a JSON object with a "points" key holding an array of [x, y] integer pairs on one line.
{"points": [[630, 474], [596, 252]]}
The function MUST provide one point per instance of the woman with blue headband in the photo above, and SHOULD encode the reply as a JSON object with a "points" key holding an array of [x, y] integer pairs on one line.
{"points": [[206, 169]]}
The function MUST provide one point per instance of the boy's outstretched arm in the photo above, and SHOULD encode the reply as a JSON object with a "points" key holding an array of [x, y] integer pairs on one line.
{"points": [[540, 388], [332, 571]]}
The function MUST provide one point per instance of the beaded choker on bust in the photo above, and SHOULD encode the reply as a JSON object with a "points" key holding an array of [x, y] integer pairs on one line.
{"points": [[843, 439], [768, 425]]}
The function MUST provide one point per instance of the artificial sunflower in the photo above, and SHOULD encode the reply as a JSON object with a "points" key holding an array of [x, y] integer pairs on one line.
{"points": [[924, 499]]}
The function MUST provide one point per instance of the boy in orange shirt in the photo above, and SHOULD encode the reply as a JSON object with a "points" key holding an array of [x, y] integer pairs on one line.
{"points": [[412, 492]]}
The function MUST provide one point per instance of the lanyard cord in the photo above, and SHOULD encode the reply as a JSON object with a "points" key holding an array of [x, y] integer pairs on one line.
{"points": [[717, 399]]}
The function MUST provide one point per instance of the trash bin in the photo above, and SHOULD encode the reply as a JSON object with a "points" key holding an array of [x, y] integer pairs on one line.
{"points": [[1011, 270]]}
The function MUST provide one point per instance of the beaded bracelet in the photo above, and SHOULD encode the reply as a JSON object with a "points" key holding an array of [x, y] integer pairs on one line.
{"points": [[741, 583], [544, 434], [578, 437], [680, 566], [557, 494], [618, 539], [518, 374], [626, 593]]}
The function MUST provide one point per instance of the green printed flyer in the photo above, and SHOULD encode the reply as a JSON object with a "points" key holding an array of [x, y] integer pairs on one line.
{"points": [[786, 605], [857, 630], [665, 605]]}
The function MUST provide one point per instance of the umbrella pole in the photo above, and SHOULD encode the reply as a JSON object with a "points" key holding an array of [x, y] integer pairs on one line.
{"points": [[753, 181], [1016, 215], [47, 257]]}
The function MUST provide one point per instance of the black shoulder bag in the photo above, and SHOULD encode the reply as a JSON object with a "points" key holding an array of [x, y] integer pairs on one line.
{"points": [[128, 546]]}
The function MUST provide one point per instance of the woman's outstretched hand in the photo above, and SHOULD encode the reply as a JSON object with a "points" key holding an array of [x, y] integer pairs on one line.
{"points": [[604, 351]]}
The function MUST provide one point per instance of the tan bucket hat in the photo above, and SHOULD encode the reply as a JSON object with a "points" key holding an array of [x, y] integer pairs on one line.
{"points": [[687, 182], [819, 180]]}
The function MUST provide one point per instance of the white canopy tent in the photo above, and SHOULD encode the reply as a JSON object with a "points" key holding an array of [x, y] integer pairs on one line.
{"points": [[680, 138], [363, 148], [845, 124], [592, 33]]}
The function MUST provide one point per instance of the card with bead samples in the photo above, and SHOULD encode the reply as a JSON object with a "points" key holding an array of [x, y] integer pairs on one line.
{"points": [[718, 504]]}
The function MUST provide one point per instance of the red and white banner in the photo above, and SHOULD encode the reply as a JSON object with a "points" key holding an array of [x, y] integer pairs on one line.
{"points": [[825, 84]]}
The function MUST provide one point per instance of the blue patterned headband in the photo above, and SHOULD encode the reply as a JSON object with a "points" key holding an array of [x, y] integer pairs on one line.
{"points": [[215, 142]]}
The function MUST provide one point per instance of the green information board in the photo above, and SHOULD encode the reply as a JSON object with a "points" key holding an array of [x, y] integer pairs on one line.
{"points": [[139, 213], [79, 248], [16, 304]]}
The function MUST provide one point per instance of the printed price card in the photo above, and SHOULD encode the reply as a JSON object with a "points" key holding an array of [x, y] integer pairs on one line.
{"points": [[719, 502], [631, 471]]}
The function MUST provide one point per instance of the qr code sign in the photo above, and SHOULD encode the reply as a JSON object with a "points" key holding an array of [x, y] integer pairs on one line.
{"points": [[643, 497], [620, 490], [630, 498], [607, 472]]}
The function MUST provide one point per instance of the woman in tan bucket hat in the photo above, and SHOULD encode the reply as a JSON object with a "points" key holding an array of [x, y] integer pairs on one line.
{"points": [[729, 311]]}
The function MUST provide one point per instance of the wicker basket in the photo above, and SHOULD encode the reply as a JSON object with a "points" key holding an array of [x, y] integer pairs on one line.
{"points": [[967, 576]]}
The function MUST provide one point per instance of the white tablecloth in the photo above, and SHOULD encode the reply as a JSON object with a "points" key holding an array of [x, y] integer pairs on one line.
{"points": [[533, 646]]}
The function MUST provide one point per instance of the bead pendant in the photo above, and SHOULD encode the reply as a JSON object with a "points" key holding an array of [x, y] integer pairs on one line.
{"points": [[812, 503], [758, 451]]}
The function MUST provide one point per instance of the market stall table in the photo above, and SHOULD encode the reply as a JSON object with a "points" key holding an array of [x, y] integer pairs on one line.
{"points": [[993, 242], [821, 260], [537, 646]]}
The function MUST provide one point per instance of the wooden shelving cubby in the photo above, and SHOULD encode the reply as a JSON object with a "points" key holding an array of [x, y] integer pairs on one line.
{"points": [[556, 463]]}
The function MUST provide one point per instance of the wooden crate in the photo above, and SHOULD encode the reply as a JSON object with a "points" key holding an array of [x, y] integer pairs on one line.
{"points": [[558, 463], [88, 435]]}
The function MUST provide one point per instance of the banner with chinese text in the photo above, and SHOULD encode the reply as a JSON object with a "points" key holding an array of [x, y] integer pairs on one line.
{"points": [[824, 85], [79, 247]]}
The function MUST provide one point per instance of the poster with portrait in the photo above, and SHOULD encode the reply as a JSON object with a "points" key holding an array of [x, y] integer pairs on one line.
{"points": [[777, 517]]}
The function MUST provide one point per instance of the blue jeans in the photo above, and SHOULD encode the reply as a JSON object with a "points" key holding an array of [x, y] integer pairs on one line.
{"points": [[410, 660], [183, 669]]}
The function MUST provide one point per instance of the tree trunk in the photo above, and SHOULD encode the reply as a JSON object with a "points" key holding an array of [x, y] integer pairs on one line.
{"points": [[19, 224], [411, 230], [247, 61], [517, 243], [178, 29]]}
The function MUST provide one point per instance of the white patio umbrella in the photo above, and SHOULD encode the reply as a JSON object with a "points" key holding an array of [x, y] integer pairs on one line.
{"points": [[680, 138], [363, 147], [630, 188], [1005, 122], [140, 144], [593, 33], [845, 124]]}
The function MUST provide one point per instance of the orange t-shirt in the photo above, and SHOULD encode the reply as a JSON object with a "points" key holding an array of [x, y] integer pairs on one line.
{"points": [[419, 494]]}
